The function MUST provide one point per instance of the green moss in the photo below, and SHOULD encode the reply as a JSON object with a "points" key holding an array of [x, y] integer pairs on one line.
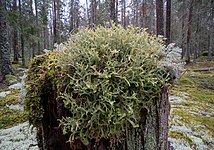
{"points": [[10, 117], [10, 77], [179, 135], [10, 99], [198, 100]]}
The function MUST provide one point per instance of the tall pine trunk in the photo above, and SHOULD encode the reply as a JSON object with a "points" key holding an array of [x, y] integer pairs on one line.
{"points": [[113, 11], [5, 64], [123, 13], [189, 31], [15, 38], [54, 21], [168, 21], [21, 33], [37, 24], [160, 19], [211, 36]]}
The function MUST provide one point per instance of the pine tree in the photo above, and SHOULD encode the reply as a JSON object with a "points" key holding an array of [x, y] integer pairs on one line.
{"points": [[5, 64]]}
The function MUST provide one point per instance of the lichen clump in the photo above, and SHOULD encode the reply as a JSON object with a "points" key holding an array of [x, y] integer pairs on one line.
{"points": [[104, 76]]}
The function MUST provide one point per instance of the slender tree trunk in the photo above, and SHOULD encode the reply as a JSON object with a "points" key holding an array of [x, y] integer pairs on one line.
{"points": [[58, 22], [72, 16], [54, 21], [93, 13], [5, 64], [189, 31], [136, 8], [21, 33], [37, 24], [87, 12], [45, 24], [168, 21], [160, 19], [116, 11], [123, 13], [15, 38], [183, 30], [211, 41], [113, 11]]}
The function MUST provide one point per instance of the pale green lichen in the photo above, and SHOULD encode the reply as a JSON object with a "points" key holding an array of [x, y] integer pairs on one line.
{"points": [[105, 77]]}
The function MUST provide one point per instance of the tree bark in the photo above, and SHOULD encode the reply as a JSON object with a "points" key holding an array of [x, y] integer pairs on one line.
{"points": [[159, 19], [21, 34], [123, 13], [93, 13], [5, 64], [15, 38], [54, 21], [113, 11], [183, 30], [189, 30], [37, 24], [45, 24], [211, 41], [168, 21]]}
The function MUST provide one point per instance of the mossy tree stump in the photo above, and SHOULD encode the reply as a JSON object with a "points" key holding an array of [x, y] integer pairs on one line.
{"points": [[151, 135], [104, 89]]}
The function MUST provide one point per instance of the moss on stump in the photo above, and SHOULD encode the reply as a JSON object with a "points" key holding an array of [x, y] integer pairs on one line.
{"points": [[103, 89]]}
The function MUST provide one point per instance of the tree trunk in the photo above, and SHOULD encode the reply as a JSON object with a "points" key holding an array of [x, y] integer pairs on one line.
{"points": [[5, 64], [93, 13], [37, 24], [21, 34], [183, 30], [54, 21], [211, 32], [87, 12], [113, 11], [123, 13], [189, 30], [45, 24], [152, 133], [160, 19], [116, 11], [58, 22], [15, 38], [168, 21]]}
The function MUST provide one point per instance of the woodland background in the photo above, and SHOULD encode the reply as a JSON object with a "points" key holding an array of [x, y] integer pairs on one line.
{"points": [[34, 25]]}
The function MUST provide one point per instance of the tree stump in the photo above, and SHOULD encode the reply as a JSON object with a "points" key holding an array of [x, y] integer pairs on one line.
{"points": [[151, 135]]}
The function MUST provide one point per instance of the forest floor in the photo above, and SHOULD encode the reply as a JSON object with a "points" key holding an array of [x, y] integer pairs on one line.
{"points": [[191, 119], [15, 131], [192, 108]]}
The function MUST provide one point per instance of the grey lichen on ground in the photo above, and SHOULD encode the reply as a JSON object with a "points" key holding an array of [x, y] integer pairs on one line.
{"points": [[192, 109]]}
